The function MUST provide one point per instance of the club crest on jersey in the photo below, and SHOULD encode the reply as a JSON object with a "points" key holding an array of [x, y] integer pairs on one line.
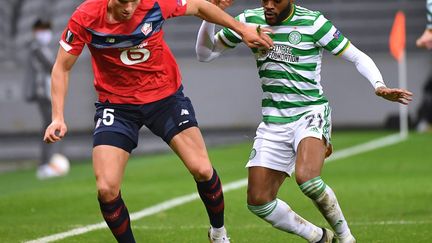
{"points": [[69, 37], [252, 154], [147, 28], [294, 37]]}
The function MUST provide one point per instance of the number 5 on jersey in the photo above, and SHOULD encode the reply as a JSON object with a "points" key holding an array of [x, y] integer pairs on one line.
{"points": [[107, 118]]}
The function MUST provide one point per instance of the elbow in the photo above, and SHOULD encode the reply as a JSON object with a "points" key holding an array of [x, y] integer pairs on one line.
{"points": [[204, 56], [204, 59]]}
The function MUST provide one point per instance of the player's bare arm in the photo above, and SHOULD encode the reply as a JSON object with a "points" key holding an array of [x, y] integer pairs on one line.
{"points": [[59, 85], [222, 4], [210, 12]]}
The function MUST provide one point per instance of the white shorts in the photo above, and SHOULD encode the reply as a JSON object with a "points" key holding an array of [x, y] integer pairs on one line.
{"points": [[275, 144]]}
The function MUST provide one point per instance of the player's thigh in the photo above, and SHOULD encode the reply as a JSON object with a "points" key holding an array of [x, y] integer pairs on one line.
{"points": [[173, 119], [190, 147], [109, 163], [170, 116], [263, 184], [114, 137], [312, 142], [310, 159]]}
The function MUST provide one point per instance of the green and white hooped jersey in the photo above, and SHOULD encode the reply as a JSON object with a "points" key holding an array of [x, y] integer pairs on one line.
{"points": [[290, 72]]}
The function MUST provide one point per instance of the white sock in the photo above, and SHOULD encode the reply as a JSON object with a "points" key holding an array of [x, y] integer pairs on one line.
{"points": [[325, 200], [282, 217], [329, 207], [218, 232]]}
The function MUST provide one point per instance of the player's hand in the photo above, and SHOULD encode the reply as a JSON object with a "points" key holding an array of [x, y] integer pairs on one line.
{"points": [[255, 36], [222, 4], [396, 95], [55, 131], [425, 41]]}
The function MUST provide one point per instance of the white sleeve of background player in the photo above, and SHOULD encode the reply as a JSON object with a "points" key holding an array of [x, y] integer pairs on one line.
{"points": [[365, 65], [208, 46], [429, 13]]}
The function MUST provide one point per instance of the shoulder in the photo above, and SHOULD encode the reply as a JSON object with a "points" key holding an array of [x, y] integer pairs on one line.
{"points": [[309, 17], [254, 12], [314, 19], [302, 11], [89, 12], [255, 16]]}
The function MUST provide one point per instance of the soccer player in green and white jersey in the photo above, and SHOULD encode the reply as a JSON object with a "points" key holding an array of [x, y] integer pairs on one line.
{"points": [[296, 126]]}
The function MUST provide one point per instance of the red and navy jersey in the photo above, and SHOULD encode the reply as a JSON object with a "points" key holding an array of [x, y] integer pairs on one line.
{"points": [[132, 64]]}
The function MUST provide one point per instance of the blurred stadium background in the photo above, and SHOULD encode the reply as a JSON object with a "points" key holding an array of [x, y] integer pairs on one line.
{"points": [[226, 96]]}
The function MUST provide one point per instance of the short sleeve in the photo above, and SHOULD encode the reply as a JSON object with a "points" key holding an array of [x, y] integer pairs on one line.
{"points": [[74, 37], [326, 35], [172, 8], [229, 37]]}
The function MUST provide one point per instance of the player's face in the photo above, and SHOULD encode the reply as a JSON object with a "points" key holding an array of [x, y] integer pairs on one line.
{"points": [[276, 11], [123, 10]]}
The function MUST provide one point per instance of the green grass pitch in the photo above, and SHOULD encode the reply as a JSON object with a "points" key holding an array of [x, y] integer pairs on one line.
{"points": [[386, 195]]}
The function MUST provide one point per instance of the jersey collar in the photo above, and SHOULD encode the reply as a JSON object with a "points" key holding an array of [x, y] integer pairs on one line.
{"points": [[291, 14]]}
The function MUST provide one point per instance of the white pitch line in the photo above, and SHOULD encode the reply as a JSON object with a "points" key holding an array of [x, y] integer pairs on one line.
{"points": [[366, 147], [259, 226], [369, 146]]}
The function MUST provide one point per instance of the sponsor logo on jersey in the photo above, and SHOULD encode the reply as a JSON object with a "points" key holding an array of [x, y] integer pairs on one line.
{"points": [[147, 28], [69, 37], [110, 40], [337, 34], [279, 52], [294, 37]]}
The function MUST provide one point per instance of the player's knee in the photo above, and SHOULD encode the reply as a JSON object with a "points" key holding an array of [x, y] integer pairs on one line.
{"points": [[262, 210], [256, 198], [106, 191], [202, 172], [304, 175]]}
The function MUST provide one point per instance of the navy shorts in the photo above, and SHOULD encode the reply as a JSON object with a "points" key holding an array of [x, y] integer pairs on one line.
{"points": [[119, 124]]}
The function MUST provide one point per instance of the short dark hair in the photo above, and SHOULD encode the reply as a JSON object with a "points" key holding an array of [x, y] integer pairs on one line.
{"points": [[41, 24]]}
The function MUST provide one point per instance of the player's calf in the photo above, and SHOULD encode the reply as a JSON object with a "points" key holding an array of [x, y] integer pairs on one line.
{"points": [[117, 218], [212, 196]]}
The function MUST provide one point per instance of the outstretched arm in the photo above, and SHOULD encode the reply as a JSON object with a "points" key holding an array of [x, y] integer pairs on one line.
{"points": [[59, 85], [210, 12], [366, 66]]}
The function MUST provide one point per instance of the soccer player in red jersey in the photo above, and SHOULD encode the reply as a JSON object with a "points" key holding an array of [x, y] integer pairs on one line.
{"points": [[138, 83]]}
